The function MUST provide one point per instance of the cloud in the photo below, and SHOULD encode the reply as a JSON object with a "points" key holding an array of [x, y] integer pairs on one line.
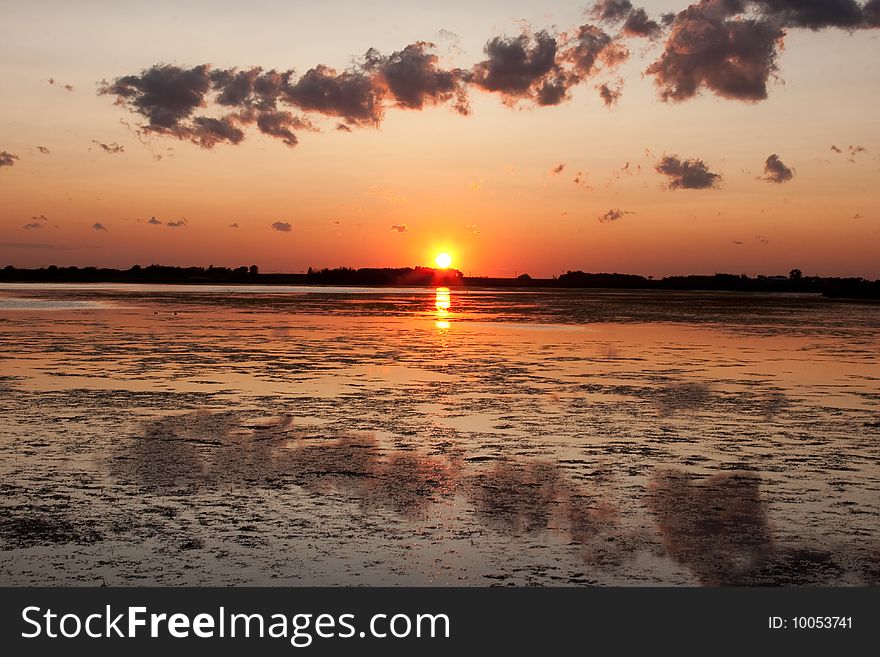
{"points": [[282, 227], [99, 226], [43, 150], [638, 24], [613, 215], [40, 217], [349, 95], [608, 95], [687, 174], [180, 223], [726, 47], [835, 149], [855, 150], [611, 11], [812, 14], [413, 78], [164, 94], [473, 229], [154, 221], [775, 171], [559, 168], [110, 148], [580, 178], [276, 123], [66, 87], [730, 47], [522, 67], [400, 228], [7, 159], [732, 58], [872, 13], [233, 225], [34, 225]]}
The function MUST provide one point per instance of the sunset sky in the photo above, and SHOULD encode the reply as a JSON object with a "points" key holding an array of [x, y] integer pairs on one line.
{"points": [[728, 136]]}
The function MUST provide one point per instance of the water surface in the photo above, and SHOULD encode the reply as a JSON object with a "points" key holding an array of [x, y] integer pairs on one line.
{"points": [[265, 435]]}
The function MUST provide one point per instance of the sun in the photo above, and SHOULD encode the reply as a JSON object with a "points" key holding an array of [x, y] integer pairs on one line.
{"points": [[443, 260]]}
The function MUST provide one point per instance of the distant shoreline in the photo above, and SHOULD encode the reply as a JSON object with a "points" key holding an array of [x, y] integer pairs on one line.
{"points": [[795, 282]]}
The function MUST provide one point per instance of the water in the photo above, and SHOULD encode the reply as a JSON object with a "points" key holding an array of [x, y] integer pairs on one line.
{"points": [[255, 435]]}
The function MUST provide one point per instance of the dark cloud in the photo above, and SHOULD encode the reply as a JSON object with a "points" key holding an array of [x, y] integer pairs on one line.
{"points": [[775, 171], [207, 131], [559, 168], [413, 78], [611, 11], [638, 24], [109, 148], [613, 215], [400, 228], [687, 174], [99, 226], [40, 217], [43, 150], [730, 46], [233, 225], [34, 225], [350, 95], [523, 67], [7, 159], [871, 13], [609, 95], [154, 221], [732, 58], [235, 88], [277, 123], [164, 94], [282, 227], [835, 149], [812, 14], [180, 223]]}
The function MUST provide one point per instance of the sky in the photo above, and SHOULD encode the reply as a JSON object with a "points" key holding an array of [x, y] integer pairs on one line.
{"points": [[651, 137]]}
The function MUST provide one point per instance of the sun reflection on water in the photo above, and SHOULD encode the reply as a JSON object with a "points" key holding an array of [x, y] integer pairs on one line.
{"points": [[442, 304]]}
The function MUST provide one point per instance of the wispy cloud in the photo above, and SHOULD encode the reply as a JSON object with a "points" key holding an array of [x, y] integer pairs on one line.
{"points": [[282, 227], [613, 215], [109, 148], [400, 228], [7, 159]]}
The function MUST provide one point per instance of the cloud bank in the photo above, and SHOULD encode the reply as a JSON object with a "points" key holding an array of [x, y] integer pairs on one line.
{"points": [[728, 48]]}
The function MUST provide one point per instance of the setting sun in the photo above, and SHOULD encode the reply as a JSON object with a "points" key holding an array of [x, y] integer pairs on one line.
{"points": [[443, 260]]}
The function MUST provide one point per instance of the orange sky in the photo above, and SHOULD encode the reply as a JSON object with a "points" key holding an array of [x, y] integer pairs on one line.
{"points": [[480, 186]]}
